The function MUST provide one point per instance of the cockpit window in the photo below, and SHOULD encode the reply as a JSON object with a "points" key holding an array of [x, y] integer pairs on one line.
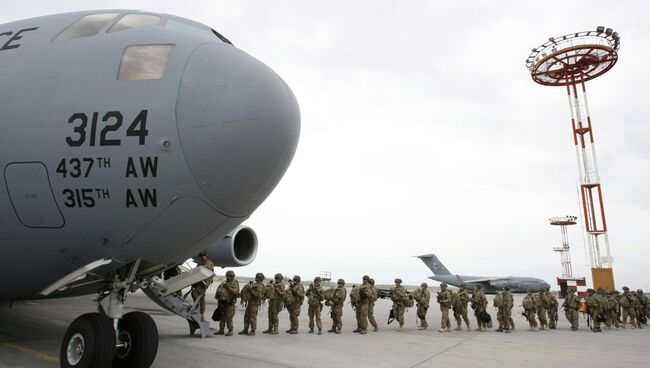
{"points": [[134, 20], [86, 26], [141, 62], [195, 28]]}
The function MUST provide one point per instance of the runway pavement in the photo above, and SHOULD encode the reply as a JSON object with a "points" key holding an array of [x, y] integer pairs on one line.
{"points": [[31, 332]]}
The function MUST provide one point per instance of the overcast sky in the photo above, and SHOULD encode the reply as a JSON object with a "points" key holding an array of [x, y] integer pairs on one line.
{"points": [[422, 132]]}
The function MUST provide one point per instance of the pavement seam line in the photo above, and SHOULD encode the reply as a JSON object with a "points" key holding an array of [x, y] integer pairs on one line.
{"points": [[442, 352], [37, 354]]}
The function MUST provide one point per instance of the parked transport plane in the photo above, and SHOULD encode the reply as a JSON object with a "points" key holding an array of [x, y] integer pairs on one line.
{"points": [[131, 141], [489, 285]]}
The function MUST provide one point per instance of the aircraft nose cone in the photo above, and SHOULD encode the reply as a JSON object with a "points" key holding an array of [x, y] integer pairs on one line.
{"points": [[239, 125]]}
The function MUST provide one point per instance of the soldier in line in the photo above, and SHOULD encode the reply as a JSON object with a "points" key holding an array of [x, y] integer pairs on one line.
{"points": [[552, 309], [464, 298], [595, 308], [226, 295], [611, 310], [500, 302], [542, 307], [297, 292], [444, 299], [371, 306], [255, 294], [571, 306], [275, 293], [340, 293], [200, 288], [314, 300], [400, 298], [479, 303], [364, 294], [509, 304], [530, 307], [422, 297], [628, 304], [455, 307], [642, 311]]}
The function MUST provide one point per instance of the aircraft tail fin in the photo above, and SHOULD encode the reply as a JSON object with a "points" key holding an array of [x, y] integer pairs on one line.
{"points": [[434, 264]]}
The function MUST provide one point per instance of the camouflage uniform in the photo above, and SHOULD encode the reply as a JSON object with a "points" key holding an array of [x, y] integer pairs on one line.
{"points": [[314, 300], [479, 303], [422, 297], [500, 302], [364, 294], [399, 297], [226, 295], [643, 305], [336, 302], [294, 303], [464, 298], [530, 307], [509, 304], [571, 306], [371, 306], [255, 293], [275, 294], [611, 310], [542, 308], [551, 300], [595, 307], [200, 288], [628, 304], [444, 299]]}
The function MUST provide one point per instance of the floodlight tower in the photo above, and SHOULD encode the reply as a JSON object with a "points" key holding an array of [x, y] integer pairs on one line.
{"points": [[570, 61], [564, 250]]}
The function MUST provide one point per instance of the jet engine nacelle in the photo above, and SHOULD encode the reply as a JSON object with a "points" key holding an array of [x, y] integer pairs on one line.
{"points": [[236, 249]]}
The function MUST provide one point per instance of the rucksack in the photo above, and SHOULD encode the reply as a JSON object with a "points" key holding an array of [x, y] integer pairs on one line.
{"points": [[246, 293]]}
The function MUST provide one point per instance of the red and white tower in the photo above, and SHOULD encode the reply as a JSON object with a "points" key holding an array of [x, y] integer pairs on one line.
{"points": [[564, 249], [570, 61]]}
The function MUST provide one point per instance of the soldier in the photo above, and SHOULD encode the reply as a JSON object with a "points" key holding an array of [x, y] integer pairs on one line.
{"points": [[611, 311], [571, 306], [371, 306], [365, 293], [500, 302], [400, 298], [294, 303], [455, 307], [542, 307], [336, 302], [314, 300], [509, 304], [275, 294], [444, 299], [255, 294], [594, 308], [463, 298], [199, 289], [479, 304], [552, 309], [422, 297], [628, 304], [530, 307], [226, 295], [644, 305]]}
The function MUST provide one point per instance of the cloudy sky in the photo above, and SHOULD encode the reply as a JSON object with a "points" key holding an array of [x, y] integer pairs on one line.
{"points": [[422, 132]]}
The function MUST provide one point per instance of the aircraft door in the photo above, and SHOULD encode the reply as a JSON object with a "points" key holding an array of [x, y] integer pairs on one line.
{"points": [[31, 196]]}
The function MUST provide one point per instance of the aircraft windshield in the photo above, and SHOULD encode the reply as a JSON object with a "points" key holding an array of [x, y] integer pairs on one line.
{"points": [[134, 20], [87, 26], [142, 62]]}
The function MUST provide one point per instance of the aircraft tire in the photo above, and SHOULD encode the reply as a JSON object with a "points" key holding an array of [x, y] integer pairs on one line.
{"points": [[140, 332], [89, 342]]}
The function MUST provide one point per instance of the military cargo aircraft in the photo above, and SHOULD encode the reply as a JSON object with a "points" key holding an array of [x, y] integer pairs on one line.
{"points": [[131, 141], [489, 285]]}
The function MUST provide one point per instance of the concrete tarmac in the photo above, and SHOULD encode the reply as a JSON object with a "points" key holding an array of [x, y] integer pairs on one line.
{"points": [[31, 332]]}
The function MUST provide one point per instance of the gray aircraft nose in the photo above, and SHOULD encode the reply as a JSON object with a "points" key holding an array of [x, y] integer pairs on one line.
{"points": [[239, 125]]}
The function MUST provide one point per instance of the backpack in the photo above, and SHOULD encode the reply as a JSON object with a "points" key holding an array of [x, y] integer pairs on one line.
{"points": [[455, 300], [270, 292], [528, 303], [355, 296], [498, 301], [222, 293], [409, 301], [246, 293]]}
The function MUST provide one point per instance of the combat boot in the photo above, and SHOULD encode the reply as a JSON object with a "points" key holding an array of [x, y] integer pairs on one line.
{"points": [[363, 332], [441, 330], [457, 327], [320, 332], [448, 329], [251, 333], [274, 332], [229, 333], [293, 332], [375, 329], [268, 330], [357, 330], [311, 330], [332, 330], [220, 332], [338, 331], [243, 332]]}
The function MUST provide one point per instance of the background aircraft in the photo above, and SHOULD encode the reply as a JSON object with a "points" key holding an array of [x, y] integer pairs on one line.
{"points": [[489, 285], [131, 141]]}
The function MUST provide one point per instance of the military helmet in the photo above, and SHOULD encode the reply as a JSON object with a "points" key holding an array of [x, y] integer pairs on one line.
{"points": [[462, 284], [278, 276], [317, 279], [296, 278], [506, 287], [530, 290], [259, 275], [398, 281], [365, 278], [590, 291], [371, 281], [340, 282], [626, 288], [230, 273], [478, 286], [443, 285], [571, 290], [424, 284], [639, 291]]}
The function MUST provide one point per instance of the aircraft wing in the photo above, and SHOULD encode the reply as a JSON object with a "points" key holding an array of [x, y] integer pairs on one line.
{"points": [[487, 279]]}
